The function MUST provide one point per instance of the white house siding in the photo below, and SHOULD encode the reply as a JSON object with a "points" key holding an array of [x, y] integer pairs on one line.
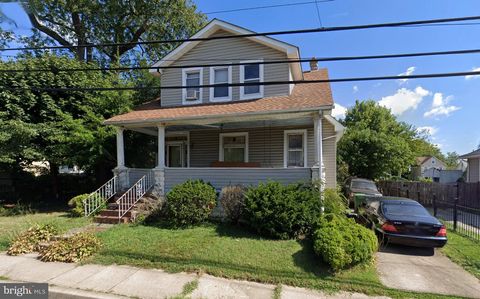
{"points": [[473, 170], [265, 147], [226, 49]]}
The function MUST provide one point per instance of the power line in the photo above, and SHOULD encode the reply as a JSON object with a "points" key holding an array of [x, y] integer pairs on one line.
{"points": [[299, 31], [337, 80], [266, 62], [264, 7]]}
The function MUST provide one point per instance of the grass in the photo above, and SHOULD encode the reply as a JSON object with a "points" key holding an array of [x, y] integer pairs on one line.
{"points": [[230, 252], [463, 251], [10, 226]]}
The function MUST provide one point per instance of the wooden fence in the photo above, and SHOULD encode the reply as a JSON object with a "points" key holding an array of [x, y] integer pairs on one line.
{"points": [[466, 194]]}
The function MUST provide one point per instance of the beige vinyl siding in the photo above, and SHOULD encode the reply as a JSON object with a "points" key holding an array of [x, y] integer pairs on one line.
{"points": [[265, 147], [474, 170], [227, 49]]}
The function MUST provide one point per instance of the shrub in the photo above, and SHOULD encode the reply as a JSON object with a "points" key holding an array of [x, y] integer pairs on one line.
{"points": [[282, 211], [334, 202], [29, 240], [72, 249], [232, 199], [190, 203], [17, 209], [77, 209], [342, 243]]}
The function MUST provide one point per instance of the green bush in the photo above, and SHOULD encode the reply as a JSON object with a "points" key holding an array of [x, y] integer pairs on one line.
{"points": [[282, 211], [232, 199], [334, 202], [343, 243], [29, 240], [190, 203], [77, 209], [72, 249]]}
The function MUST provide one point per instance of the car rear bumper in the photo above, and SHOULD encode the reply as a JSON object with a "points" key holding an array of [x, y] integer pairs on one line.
{"points": [[417, 241]]}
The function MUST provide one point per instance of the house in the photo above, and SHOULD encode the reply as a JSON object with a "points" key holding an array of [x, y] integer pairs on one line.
{"points": [[473, 168], [234, 134], [428, 167]]}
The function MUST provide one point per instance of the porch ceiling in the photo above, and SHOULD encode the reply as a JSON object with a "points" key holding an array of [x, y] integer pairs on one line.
{"points": [[298, 121]]}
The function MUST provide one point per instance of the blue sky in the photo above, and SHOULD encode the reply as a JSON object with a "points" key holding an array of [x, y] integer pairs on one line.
{"points": [[449, 107]]}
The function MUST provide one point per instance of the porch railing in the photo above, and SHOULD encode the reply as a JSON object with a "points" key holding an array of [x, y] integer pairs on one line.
{"points": [[99, 197], [132, 196]]}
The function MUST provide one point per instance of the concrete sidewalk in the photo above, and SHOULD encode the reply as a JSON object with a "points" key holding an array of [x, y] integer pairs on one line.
{"points": [[75, 281]]}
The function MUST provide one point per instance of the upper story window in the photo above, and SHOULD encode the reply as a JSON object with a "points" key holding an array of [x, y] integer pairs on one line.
{"points": [[192, 77], [220, 75], [251, 73]]}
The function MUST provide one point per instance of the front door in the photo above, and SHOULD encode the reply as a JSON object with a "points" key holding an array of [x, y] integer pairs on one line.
{"points": [[176, 154]]}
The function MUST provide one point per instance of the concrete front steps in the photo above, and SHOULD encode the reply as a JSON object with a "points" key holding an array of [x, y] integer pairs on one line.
{"points": [[145, 205]]}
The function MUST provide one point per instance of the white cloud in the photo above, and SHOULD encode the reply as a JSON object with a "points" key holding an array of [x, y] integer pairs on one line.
{"points": [[339, 111], [427, 130], [475, 69], [440, 106], [408, 72], [404, 99], [355, 88]]}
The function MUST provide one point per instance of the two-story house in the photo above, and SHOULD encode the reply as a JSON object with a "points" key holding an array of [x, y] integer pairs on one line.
{"points": [[235, 134]]}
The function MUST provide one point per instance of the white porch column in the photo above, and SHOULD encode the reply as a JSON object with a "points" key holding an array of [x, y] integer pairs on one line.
{"points": [[161, 146], [120, 148], [159, 171], [318, 173]]}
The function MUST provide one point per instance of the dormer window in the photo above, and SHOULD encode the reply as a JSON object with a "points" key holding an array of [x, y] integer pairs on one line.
{"points": [[220, 75], [192, 77], [251, 72]]}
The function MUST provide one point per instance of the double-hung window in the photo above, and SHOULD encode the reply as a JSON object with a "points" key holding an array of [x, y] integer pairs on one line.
{"points": [[234, 147], [192, 77], [295, 148], [251, 72], [220, 75]]}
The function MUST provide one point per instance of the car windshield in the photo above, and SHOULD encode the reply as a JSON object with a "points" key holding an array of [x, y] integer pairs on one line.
{"points": [[404, 210], [364, 185]]}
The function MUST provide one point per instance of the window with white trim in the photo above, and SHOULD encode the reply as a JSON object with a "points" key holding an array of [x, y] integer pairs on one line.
{"points": [[192, 77], [234, 147], [251, 72], [295, 148], [220, 75]]}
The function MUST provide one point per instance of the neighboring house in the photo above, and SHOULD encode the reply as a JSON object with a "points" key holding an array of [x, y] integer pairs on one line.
{"points": [[435, 169], [473, 168], [66, 169], [240, 134]]}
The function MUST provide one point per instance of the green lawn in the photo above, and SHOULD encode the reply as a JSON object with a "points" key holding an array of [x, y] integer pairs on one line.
{"points": [[230, 252], [10, 226], [464, 252]]}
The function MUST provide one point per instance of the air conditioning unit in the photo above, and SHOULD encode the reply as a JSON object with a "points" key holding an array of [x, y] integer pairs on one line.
{"points": [[192, 95]]}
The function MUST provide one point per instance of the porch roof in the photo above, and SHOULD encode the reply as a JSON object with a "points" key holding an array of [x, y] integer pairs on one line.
{"points": [[304, 97]]}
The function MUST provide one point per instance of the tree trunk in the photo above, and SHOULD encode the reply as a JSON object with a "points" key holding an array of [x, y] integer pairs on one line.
{"points": [[55, 181]]}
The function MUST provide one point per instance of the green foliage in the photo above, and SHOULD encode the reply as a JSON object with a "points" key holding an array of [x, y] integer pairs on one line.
{"points": [[376, 145], [190, 203], [18, 209], [452, 160], [343, 243], [29, 240], [334, 202], [232, 199], [71, 250], [282, 211], [76, 206], [61, 127]]}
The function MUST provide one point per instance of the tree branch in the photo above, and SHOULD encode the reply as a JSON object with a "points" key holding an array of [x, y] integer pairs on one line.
{"points": [[50, 32]]}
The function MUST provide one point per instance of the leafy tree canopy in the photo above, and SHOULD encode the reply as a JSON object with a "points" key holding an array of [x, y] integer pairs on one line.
{"points": [[377, 145], [80, 22]]}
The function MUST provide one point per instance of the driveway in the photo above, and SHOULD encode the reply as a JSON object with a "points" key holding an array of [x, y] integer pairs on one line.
{"points": [[424, 270]]}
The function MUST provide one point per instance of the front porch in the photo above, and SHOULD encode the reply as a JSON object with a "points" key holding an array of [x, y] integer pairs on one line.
{"points": [[286, 147]]}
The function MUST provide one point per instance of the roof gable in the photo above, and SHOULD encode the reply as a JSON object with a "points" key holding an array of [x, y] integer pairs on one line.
{"points": [[214, 26]]}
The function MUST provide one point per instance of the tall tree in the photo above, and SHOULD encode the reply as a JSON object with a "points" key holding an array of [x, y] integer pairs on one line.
{"points": [[61, 127], [377, 145], [80, 22]]}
